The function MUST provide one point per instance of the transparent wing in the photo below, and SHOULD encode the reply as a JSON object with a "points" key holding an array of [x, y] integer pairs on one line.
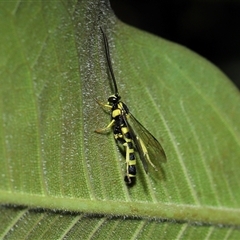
{"points": [[150, 150]]}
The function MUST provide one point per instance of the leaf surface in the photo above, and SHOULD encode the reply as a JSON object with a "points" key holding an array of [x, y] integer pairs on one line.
{"points": [[59, 179]]}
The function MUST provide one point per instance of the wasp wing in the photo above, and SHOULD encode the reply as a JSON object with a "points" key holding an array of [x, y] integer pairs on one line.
{"points": [[150, 150]]}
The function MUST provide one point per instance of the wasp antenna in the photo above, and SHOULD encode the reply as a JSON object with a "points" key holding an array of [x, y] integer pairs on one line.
{"points": [[106, 46]]}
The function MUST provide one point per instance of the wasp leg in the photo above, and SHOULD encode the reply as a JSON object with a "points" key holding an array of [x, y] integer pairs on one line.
{"points": [[104, 105], [101, 130], [145, 152]]}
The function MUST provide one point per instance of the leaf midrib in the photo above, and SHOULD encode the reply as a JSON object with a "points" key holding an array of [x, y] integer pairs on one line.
{"points": [[176, 212]]}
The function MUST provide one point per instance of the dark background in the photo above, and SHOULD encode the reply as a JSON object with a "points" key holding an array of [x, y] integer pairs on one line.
{"points": [[208, 27]]}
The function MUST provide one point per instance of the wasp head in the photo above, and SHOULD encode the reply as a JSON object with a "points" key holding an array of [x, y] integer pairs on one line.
{"points": [[114, 99]]}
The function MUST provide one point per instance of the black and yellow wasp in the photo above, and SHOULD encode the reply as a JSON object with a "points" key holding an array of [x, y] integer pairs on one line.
{"points": [[146, 144]]}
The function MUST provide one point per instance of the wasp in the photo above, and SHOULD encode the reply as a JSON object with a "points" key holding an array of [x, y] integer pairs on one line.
{"points": [[132, 136]]}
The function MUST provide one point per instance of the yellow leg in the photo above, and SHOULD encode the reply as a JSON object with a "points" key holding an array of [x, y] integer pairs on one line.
{"points": [[104, 105], [106, 128], [108, 107], [127, 158], [145, 152]]}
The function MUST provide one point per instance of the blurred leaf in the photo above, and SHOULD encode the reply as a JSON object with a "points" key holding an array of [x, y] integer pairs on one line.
{"points": [[57, 177]]}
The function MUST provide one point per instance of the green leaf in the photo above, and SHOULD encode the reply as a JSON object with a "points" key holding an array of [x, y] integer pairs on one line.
{"points": [[59, 179]]}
